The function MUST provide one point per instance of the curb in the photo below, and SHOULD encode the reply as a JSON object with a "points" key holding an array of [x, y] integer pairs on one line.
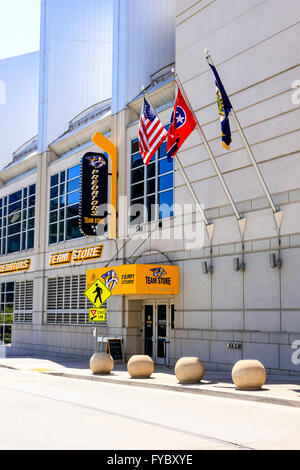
{"points": [[175, 388], [182, 388]]}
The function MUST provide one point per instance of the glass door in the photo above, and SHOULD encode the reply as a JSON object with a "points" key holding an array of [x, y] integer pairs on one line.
{"points": [[156, 319], [161, 333], [148, 329]]}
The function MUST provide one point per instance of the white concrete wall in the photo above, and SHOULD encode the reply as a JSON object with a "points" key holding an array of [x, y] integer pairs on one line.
{"points": [[76, 62], [19, 78], [255, 48], [144, 42], [254, 45]]}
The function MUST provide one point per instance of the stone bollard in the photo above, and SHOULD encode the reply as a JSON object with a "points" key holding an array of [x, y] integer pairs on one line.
{"points": [[101, 363], [249, 374], [140, 367], [189, 370]]}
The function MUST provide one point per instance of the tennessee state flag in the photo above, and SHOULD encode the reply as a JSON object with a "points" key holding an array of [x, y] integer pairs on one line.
{"points": [[183, 122]]}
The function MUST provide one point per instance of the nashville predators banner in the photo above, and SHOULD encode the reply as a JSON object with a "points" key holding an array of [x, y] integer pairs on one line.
{"points": [[93, 196]]}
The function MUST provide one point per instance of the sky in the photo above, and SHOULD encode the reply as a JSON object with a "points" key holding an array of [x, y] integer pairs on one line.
{"points": [[19, 27]]}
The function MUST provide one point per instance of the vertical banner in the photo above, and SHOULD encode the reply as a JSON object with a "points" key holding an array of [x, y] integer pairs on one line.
{"points": [[94, 194]]}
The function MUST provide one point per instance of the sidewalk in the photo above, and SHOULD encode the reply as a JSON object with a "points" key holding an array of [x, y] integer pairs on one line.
{"points": [[281, 390]]}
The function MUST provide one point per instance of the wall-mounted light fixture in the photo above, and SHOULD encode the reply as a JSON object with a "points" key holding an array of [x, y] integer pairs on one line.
{"points": [[274, 262], [205, 268], [237, 266]]}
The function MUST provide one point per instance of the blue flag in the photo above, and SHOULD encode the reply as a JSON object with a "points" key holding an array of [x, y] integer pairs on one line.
{"points": [[224, 110]]}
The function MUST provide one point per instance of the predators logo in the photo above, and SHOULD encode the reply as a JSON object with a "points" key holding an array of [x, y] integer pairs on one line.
{"points": [[97, 161], [158, 272], [111, 279]]}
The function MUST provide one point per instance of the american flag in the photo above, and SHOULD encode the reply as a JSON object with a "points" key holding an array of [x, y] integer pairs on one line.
{"points": [[151, 132]]}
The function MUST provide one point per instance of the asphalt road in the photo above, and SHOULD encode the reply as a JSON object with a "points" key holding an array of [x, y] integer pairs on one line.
{"points": [[39, 411]]}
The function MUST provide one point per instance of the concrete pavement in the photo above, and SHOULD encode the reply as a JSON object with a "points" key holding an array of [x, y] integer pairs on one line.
{"points": [[42, 411], [279, 390]]}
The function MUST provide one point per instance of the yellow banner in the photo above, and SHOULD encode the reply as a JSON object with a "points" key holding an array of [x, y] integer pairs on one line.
{"points": [[137, 279]]}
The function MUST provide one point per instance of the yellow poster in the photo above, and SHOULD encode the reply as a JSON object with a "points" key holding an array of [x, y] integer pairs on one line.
{"points": [[137, 279]]}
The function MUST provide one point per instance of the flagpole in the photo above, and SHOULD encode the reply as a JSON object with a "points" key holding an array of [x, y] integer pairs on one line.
{"points": [[241, 220], [209, 227], [276, 213]]}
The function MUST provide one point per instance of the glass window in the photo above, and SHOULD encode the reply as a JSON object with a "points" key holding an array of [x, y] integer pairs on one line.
{"points": [[165, 204], [166, 181], [30, 239], [16, 220], [54, 180], [73, 211], [31, 201], [73, 229], [15, 197], [13, 229], [74, 185], [7, 310], [137, 190], [64, 206], [53, 233], [152, 185], [14, 244], [136, 161], [53, 216], [74, 172], [73, 198], [54, 192]]}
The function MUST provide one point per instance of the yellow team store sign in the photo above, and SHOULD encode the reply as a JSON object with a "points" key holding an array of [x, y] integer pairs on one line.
{"points": [[80, 254], [137, 279]]}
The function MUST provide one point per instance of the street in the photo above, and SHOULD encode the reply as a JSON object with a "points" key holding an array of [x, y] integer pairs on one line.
{"points": [[40, 411]]}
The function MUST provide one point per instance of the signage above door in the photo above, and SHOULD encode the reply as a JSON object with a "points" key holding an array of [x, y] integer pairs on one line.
{"points": [[137, 279]]}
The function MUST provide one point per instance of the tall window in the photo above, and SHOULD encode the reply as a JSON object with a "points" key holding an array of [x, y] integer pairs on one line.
{"points": [[64, 205], [152, 186], [6, 311], [17, 212]]}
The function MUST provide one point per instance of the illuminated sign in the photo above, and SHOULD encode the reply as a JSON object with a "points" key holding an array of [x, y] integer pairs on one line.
{"points": [[15, 266], [93, 194], [137, 279], [80, 254]]}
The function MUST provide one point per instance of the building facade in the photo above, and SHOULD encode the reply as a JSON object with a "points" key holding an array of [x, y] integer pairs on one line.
{"points": [[235, 301]]}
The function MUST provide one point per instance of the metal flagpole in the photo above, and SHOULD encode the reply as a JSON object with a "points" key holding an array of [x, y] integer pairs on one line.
{"points": [[241, 220], [209, 227], [276, 213]]}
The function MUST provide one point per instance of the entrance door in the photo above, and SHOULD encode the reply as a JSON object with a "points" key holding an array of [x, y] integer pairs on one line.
{"points": [[156, 325]]}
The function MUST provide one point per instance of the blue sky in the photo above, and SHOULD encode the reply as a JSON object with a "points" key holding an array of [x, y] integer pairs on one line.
{"points": [[19, 27]]}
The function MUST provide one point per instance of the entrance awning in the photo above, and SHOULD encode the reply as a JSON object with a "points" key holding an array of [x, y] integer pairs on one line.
{"points": [[137, 279]]}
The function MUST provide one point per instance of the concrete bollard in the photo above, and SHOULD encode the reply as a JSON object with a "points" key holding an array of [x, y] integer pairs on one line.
{"points": [[140, 367], [101, 363], [249, 374], [189, 370]]}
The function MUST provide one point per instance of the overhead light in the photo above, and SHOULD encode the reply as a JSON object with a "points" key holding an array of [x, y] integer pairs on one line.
{"points": [[206, 269], [274, 262], [237, 266]]}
